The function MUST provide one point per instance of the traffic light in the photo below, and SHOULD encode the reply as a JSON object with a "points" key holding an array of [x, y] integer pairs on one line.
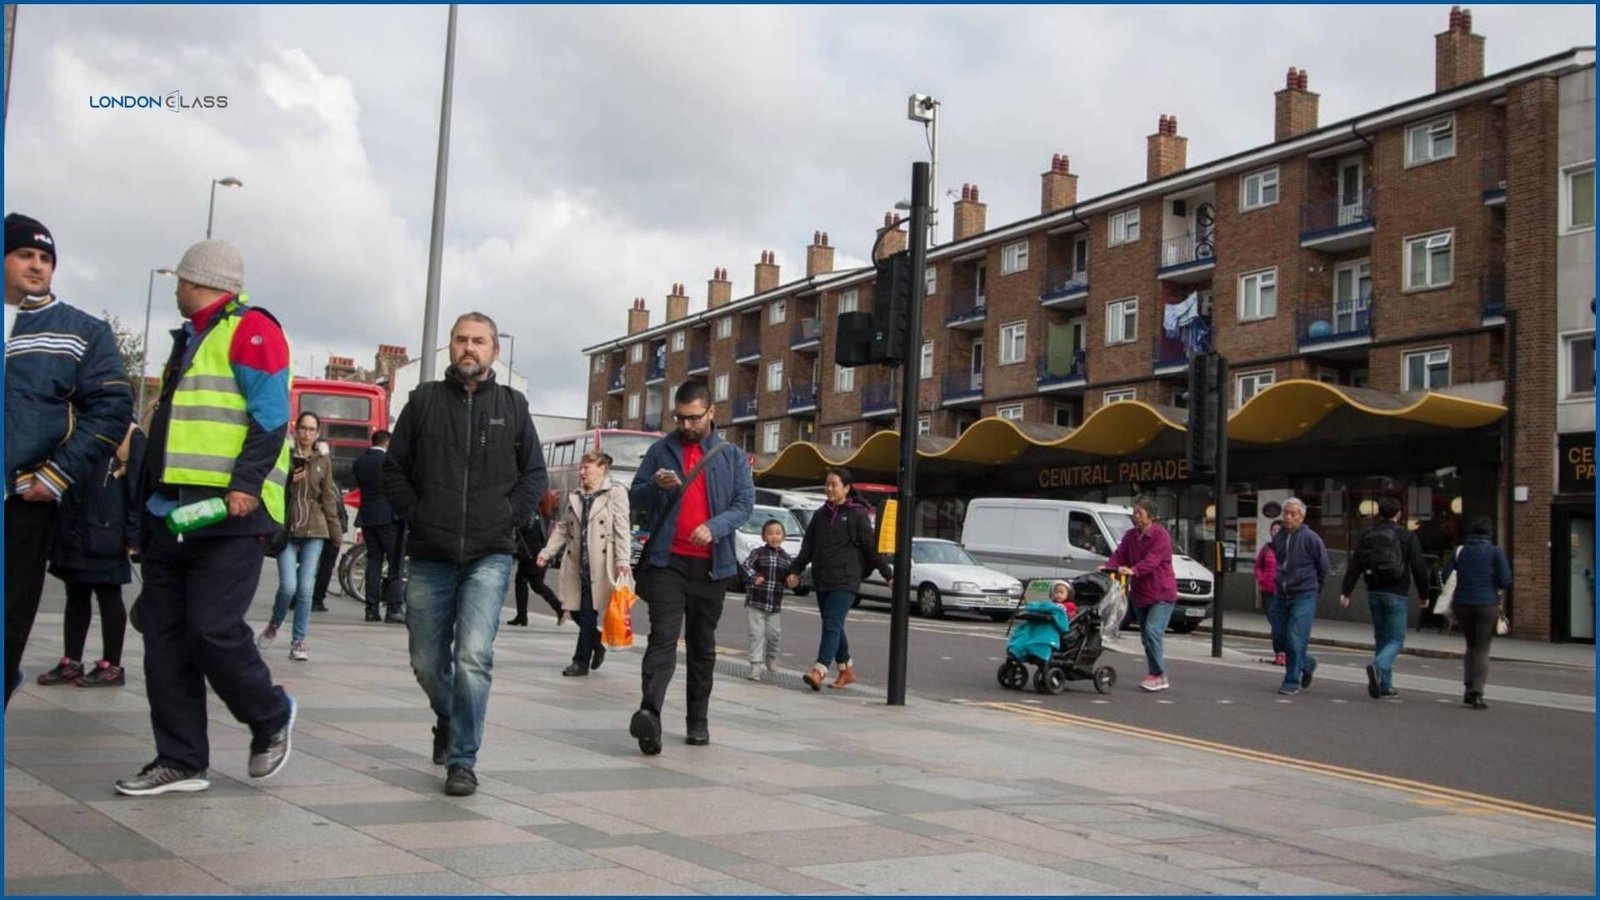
{"points": [[1207, 383], [853, 339], [891, 308]]}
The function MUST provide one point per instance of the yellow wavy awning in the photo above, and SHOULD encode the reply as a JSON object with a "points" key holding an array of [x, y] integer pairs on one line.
{"points": [[1289, 409]]}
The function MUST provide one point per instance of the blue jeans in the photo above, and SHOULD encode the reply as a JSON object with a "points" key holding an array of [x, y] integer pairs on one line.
{"points": [[834, 646], [1152, 630], [297, 574], [452, 616], [1388, 632], [1275, 622], [1298, 612]]}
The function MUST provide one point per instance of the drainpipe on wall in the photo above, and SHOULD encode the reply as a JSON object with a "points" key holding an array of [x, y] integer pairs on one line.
{"points": [[1509, 426]]}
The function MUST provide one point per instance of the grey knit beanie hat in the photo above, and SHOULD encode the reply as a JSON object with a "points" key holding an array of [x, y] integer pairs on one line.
{"points": [[213, 264]]}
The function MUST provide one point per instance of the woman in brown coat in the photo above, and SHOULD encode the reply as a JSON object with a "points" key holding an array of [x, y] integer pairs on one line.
{"points": [[592, 540], [312, 520]]}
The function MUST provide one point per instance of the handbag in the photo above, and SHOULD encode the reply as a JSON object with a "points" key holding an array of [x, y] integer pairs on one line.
{"points": [[1441, 606], [1502, 625], [617, 628]]}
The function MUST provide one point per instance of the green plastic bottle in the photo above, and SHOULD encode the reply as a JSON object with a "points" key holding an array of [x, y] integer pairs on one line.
{"points": [[185, 519]]}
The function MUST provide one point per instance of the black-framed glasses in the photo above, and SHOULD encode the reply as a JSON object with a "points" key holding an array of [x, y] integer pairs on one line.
{"points": [[691, 420]]}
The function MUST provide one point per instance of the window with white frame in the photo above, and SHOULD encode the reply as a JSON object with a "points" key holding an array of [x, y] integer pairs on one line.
{"points": [[1579, 380], [1121, 396], [848, 301], [776, 311], [924, 425], [1013, 343], [844, 379], [725, 327], [1066, 416], [597, 412], [1011, 413], [1014, 257], [1260, 189], [1249, 384], [930, 281], [637, 353], [1124, 226], [927, 360], [1429, 260], [719, 389], [1258, 295], [770, 434], [633, 406], [677, 342], [1577, 202], [599, 364], [1426, 370], [1122, 320], [1429, 141], [842, 437], [775, 376]]}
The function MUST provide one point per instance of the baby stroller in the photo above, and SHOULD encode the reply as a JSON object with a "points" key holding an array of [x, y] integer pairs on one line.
{"points": [[1064, 651]]}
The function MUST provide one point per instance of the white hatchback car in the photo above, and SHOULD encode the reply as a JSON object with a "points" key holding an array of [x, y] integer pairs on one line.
{"points": [[944, 577]]}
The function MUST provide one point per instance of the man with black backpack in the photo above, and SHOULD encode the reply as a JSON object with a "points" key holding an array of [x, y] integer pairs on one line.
{"points": [[1391, 558]]}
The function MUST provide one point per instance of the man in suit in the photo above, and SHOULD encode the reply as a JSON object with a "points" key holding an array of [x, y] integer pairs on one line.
{"points": [[379, 528]]}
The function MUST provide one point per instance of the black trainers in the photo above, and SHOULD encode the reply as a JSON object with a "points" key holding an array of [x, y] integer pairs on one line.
{"points": [[68, 671], [441, 745], [646, 726], [372, 616], [1307, 669], [267, 757], [699, 734], [104, 674], [1390, 694], [1374, 689], [460, 781], [158, 779]]}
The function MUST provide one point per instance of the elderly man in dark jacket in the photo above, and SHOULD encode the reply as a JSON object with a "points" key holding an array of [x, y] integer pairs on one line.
{"points": [[1302, 570], [68, 405]]}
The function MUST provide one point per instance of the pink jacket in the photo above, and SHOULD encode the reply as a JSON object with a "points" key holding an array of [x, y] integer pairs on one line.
{"points": [[1150, 558], [1266, 569]]}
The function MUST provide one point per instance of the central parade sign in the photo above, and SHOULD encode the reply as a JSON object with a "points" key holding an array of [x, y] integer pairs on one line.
{"points": [[1129, 471]]}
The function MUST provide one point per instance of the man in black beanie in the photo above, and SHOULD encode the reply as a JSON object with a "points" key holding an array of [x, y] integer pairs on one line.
{"points": [[68, 404]]}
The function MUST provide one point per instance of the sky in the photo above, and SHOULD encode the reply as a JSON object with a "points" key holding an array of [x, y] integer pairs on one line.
{"points": [[600, 153]]}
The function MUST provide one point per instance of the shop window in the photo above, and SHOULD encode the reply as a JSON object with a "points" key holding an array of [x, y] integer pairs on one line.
{"points": [[1427, 370]]}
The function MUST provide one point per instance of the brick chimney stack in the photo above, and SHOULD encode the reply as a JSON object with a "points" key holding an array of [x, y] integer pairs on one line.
{"points": [[970, 213], [895, 240], [1060, 186], [677, 303], [719, 290], [388, 358], [638, 316], [819, 256], [1458, 53], [766, 272], [339, 368], [1296, 107], [1169, 153]]}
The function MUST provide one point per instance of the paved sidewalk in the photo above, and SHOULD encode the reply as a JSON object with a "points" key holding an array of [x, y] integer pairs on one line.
{"points": [[1428, 642], [799, 793]]}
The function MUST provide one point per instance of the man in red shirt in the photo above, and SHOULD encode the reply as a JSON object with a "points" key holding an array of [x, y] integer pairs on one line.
{"points": [[1145, 554]]}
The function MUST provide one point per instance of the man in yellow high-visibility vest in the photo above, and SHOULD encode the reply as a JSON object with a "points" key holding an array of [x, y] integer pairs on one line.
{"points": [[219, 431]]}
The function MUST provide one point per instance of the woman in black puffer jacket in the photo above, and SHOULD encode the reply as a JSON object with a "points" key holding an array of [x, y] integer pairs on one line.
{"points": [[1482, 572], [842, 544]]}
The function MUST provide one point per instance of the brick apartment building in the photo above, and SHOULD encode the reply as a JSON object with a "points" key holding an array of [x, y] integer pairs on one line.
{"points": [[1431, 263]]}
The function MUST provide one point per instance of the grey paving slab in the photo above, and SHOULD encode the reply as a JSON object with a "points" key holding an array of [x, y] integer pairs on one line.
{"points": [[167, 876], [731, 887], [1432, 843], [203, 824], [255, 867], [691, 850], [580, 837], [428, 884], [513, 859], [1368, 879], [715, 810], [910, 825], [1574, 870], [30, 853], [55, 722], [97, 884], [90, 834], [849, 843], [655, 863], [892, 798], [432, 835], [394, 813], [610, 881], [615, 779], [956, 873], [831, 759]]}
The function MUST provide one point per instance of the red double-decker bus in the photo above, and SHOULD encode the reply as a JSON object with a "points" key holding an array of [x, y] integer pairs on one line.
{"points": [[350, 412]]}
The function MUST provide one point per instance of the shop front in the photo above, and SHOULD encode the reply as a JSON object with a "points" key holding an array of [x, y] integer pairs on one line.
{"points": [[1572, 550]]}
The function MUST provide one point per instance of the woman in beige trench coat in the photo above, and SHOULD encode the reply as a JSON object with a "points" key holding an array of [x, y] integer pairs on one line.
{"points": [[592, 539]]}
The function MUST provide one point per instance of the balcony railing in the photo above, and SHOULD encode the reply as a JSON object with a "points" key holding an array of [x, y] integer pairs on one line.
{"points": [[1333, 217], [802, 397], [1492, 295], [1167, 352], [1494, 179], [1070, 371], [959, 386], [877, 398], [1187, 251], [744, 409], [969, 311], [747, 350], [699, 361], [1344, 320], [614, 383], [806, 334], [655, 370], [1063, 284]]}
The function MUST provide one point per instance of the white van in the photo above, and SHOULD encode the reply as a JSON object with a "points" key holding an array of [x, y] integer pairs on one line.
{"points": [[1030, 539]]}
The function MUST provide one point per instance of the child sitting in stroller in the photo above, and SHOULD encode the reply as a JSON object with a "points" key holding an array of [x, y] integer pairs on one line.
{"points": [[1063, 645], [1040, 626]]}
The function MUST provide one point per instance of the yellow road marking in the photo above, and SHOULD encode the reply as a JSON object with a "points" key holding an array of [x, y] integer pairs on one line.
{"points": [[1421, 789]]}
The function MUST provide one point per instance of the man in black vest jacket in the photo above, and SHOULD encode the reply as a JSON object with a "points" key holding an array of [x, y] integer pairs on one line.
{"points": [[378, 528]]}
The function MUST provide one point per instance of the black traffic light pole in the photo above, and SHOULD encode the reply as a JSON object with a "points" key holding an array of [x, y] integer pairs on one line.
{"points": [[905, 520]]}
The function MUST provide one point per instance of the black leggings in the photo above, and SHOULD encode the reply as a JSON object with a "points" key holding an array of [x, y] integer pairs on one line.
{"points": [[113, 619], [530, 575]]}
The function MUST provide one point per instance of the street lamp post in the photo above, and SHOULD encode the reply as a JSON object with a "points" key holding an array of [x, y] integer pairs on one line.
{"points": [[925, 109], [230, 181], [441, 171], [144, 348], [511, 357]]}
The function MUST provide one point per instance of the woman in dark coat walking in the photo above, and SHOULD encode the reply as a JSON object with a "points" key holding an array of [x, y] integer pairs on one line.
{"points": [[841, 542], [96, 528], [1482, 572], [530, 540]]}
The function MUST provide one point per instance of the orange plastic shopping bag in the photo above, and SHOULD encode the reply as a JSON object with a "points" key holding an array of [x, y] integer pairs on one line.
{"points": [[617, 628]]}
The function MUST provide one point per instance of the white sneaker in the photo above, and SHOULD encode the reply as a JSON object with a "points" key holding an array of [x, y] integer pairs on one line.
{"points": [[1154, 683], [267, 636], [754, 674], [297, 651]]}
